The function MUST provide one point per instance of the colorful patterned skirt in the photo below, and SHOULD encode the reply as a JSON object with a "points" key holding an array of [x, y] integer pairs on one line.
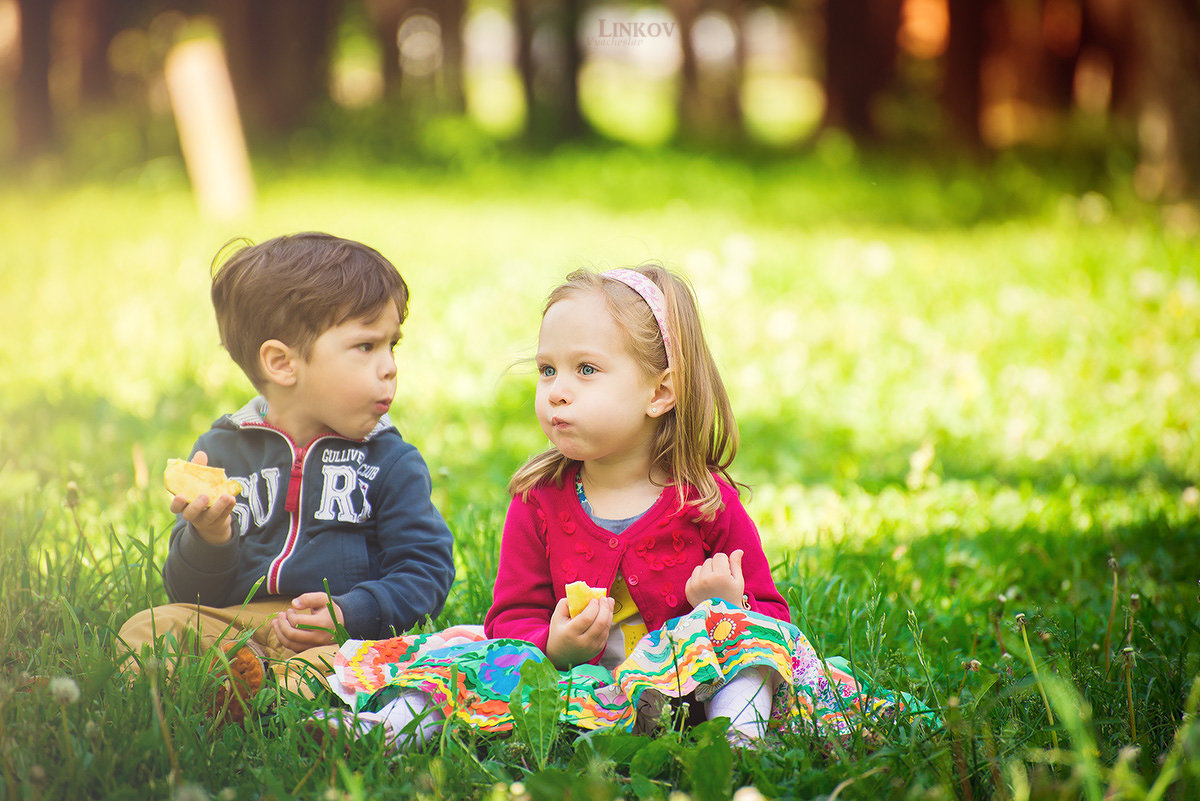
{"points": [[473, 678]]}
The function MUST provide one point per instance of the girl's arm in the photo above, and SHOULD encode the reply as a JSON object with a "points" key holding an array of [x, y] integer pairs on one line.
{"points": [[734, 530], [523, 598]]}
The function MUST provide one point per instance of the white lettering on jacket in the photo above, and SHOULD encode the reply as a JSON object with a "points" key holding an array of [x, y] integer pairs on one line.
{"points": [[255, 509], [337, 488]]}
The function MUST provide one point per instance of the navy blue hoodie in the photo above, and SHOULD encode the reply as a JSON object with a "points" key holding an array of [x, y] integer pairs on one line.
{"points": [[357, 513]]}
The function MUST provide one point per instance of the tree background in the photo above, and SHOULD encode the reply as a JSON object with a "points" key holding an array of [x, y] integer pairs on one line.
{"points": [[947, 77]]}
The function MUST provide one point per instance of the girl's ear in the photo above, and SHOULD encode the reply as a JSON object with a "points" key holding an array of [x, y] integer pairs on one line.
{"points": [[663, 399], [278, 362]]}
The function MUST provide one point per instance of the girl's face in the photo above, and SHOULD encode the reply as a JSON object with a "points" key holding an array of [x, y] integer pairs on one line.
{"points": [[593, 400]]}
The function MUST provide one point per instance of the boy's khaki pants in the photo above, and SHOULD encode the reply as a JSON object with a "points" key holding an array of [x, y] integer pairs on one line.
{"points": [[226, 624]]}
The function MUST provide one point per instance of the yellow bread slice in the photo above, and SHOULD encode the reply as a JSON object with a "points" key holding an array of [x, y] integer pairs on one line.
{"points": [[192, 480], [578, 595]]}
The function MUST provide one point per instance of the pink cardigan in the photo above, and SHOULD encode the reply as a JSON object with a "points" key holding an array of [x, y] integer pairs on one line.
{"points": [[549, 541]]}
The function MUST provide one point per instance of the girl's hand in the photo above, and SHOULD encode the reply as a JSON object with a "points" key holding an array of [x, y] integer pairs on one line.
{"points": [[719, 577], [575, 640]]}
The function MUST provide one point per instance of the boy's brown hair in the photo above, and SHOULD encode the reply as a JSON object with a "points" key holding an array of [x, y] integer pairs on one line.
{"points": [[296, 287]]}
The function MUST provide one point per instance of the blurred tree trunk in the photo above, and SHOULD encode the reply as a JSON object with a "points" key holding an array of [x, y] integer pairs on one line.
{"points": [[690, 100], [1062, 34], [386, 16], [34, 115], [1167, 38], [450, 15], [524, 23], [279, 57], [734, 113], [552, 111], [962, 86], [1107, 27], [709, 107], [860, 61], [570, 116], [99, 22]]}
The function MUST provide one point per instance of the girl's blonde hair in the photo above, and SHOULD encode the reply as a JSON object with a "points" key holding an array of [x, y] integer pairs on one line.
{"points": [[699, 435]]}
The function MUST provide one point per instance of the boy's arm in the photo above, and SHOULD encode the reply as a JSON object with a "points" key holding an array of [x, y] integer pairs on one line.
{"points": [[523, 598], [416, 555], [196, 570], [734, 530]]}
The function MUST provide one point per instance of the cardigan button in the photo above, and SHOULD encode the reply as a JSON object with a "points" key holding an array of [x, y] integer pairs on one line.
{"points": [[613, 542], [632, 581]]}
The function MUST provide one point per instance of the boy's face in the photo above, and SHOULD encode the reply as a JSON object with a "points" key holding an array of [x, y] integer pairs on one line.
{"points": [[348, 380]]}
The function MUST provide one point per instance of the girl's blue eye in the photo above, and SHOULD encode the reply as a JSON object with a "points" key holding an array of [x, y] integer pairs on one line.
{"points": [[546, 370], [587, 369]]}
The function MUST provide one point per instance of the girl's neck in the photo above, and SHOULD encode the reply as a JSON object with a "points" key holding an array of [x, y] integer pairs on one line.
{"points": [[618, 491]]}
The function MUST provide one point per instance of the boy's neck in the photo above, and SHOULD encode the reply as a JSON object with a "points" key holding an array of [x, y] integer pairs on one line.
{"points": [[281, 415]]}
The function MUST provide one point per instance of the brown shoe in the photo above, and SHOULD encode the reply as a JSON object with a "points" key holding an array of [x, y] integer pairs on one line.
{"points": [[247, 671]]}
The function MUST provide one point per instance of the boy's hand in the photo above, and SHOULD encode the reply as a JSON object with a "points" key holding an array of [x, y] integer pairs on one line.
{"points": [[212, 523], [719, 577], [575, 640], [309, 609]]}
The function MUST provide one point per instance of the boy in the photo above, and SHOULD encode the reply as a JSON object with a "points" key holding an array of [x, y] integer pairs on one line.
{"points": [[329, 489]]}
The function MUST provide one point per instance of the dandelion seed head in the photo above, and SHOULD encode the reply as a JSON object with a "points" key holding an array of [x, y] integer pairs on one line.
{"points": [[747, 794], [37, 774], [64, 690], [190, 792]]}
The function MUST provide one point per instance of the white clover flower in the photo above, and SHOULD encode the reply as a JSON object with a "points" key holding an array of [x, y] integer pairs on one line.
{"points": [[748, 794], [64, 689]]}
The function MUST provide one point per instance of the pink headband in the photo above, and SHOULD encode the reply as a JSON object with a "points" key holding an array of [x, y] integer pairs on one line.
{"points": [[653, 297]]}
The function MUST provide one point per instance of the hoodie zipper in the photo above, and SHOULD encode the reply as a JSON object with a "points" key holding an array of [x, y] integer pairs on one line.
{"points": [[291, 503]]}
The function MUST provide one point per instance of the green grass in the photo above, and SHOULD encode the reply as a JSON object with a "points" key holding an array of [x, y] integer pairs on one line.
{"points": [[961, 393]]}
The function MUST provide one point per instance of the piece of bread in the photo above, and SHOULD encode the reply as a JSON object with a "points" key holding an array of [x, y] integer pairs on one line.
{"points": [[192, 480], [578, 595]]}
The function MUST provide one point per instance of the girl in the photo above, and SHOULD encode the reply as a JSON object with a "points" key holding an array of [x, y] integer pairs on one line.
{"points": [[633, 496]]}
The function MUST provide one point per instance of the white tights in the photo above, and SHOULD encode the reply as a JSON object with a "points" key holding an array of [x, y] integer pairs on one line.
{"points": [[746, 701], [399, 716]]}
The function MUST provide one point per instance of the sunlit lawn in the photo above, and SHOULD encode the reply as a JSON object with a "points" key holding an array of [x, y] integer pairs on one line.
{"points": [[952, 385]]}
